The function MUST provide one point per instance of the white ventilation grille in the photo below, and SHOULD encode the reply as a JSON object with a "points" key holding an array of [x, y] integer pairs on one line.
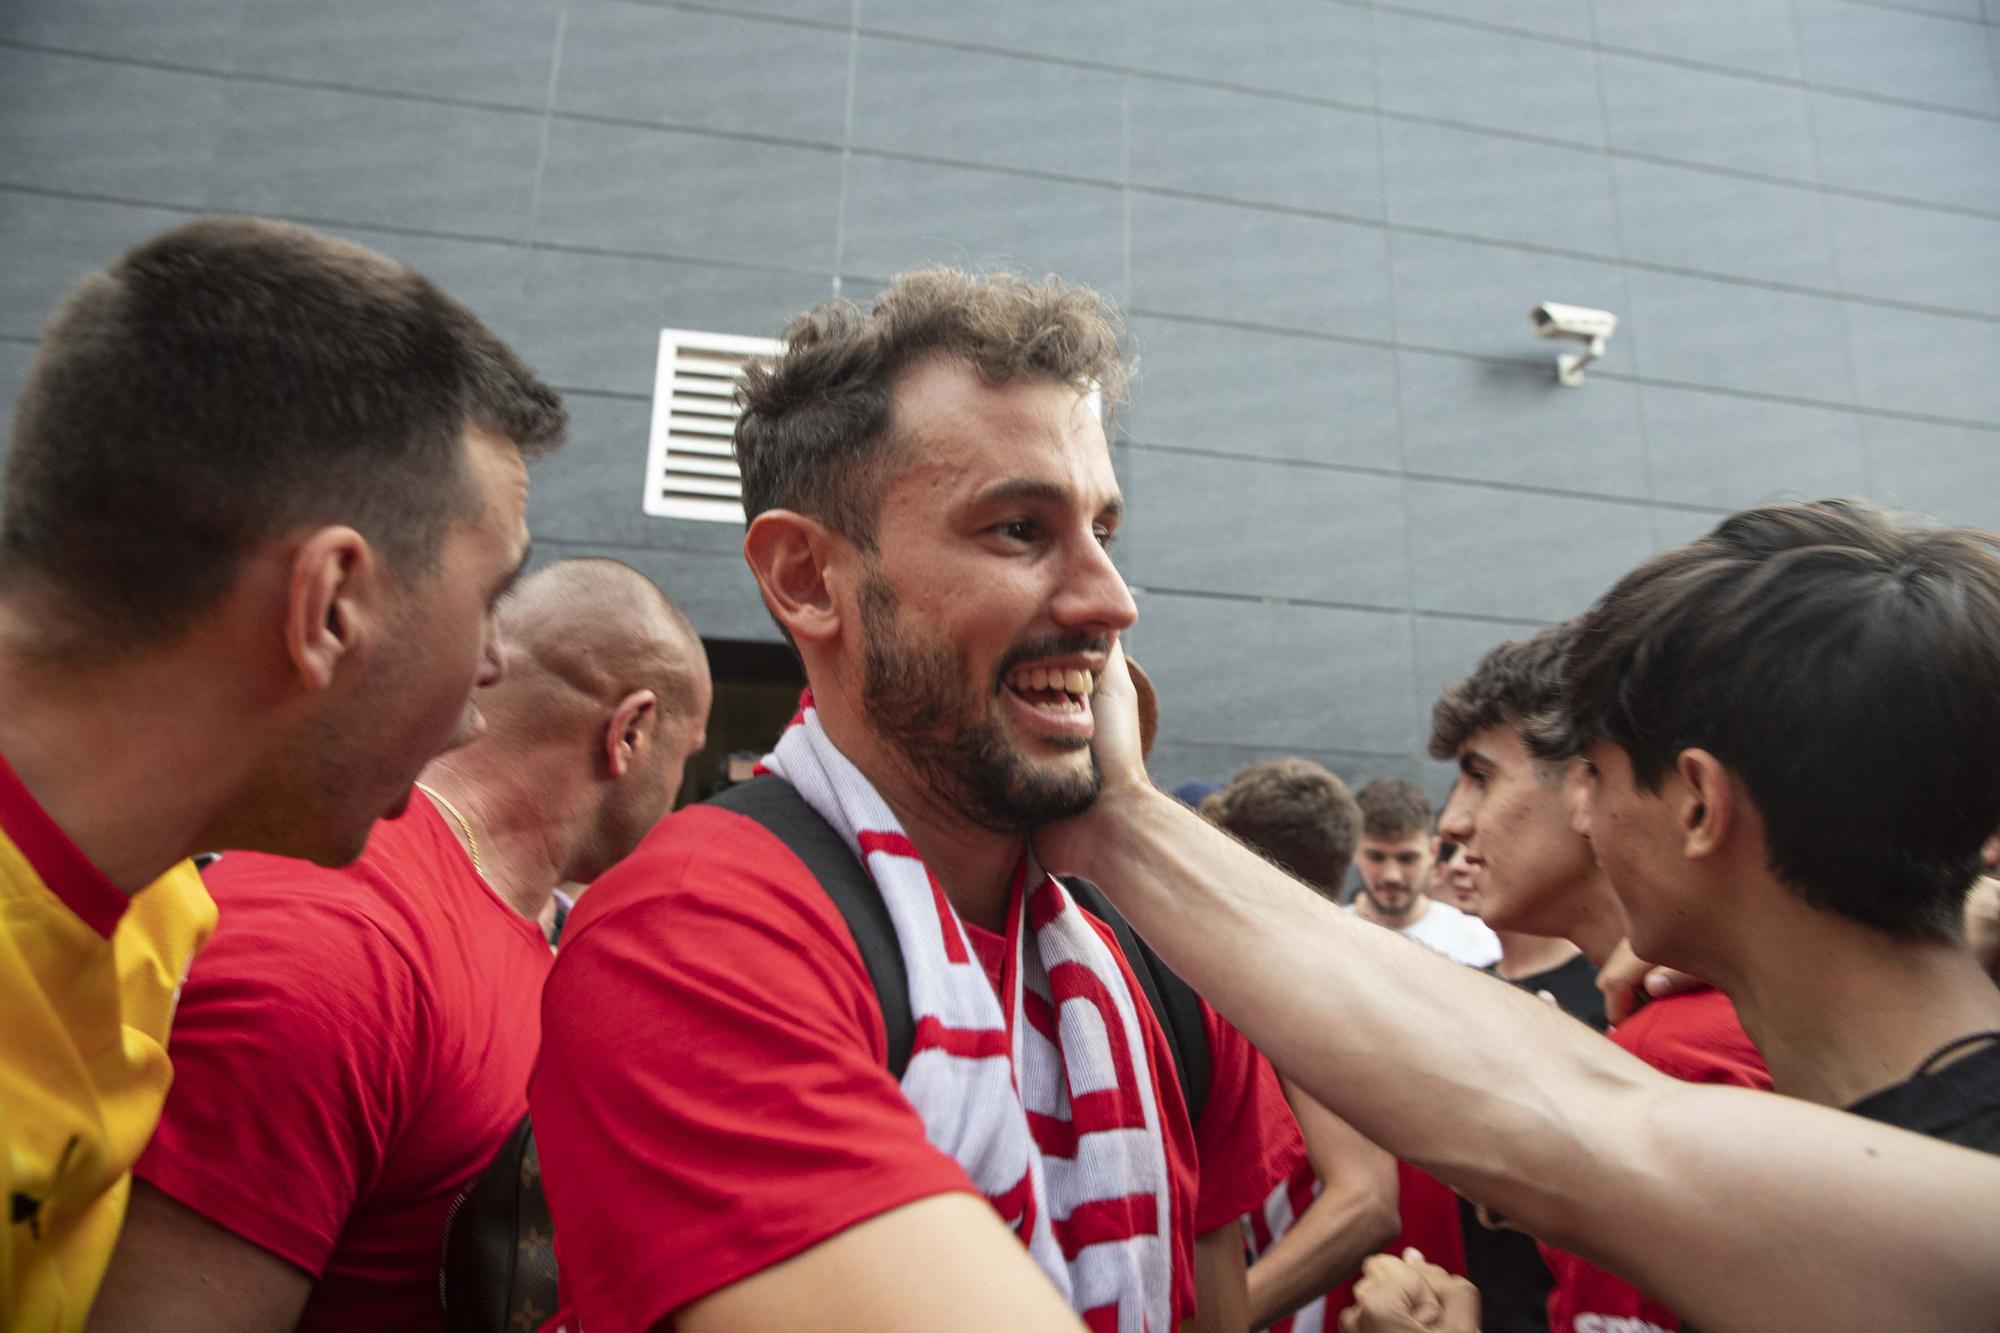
{"points": [[690, 465]]}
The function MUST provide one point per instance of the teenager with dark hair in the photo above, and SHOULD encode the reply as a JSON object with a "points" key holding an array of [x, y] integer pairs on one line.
{"points": [[1724, 698], [264, 491], [1538, 875]]}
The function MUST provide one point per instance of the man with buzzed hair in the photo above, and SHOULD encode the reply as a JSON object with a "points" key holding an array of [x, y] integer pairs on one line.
{"points": [[1396, 859], [355, 1044], [263, 492]]}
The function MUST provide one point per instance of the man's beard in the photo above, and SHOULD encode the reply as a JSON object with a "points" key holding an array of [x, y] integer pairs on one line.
{"points": [[914, 695]]}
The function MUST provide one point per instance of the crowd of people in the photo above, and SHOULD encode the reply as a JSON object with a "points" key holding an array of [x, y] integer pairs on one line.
{"points": [[1681, 1011]]}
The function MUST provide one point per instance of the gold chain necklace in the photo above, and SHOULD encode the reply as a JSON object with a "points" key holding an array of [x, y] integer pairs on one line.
{"points": [[471, 843]]}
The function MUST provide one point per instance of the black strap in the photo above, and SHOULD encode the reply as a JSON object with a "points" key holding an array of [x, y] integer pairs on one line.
{"points": [[1969, 1039], [775, 804], [1174, 1001]]}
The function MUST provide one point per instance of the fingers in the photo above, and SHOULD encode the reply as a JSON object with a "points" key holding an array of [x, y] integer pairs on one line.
{"points": [[1393, 1295]]}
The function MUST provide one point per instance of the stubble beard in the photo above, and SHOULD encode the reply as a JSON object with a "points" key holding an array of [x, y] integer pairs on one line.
{"points": [[915, 700]]}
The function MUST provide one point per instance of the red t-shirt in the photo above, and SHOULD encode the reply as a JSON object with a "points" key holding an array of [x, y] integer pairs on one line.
{"points": [[351, 1049], [713, 1096], [1696, 1038], [1429, 1210]]}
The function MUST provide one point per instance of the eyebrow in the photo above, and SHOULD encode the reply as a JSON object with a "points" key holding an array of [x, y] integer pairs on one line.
{"points": [[1028, 490], [514, 575]]}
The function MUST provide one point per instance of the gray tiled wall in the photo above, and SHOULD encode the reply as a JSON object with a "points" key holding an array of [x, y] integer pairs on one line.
{"points": [[1349, 467]]}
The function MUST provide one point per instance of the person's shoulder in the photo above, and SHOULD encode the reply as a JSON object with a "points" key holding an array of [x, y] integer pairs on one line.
{"points": [[708, 861], [1959, 1103], [693, 850], [1695, 1036]]}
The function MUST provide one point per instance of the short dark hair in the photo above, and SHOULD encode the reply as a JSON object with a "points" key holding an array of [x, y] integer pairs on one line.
{"points": [[1844, 663], [1393, 808], [1293, 812], [1517, 684], [815, 428], [228, 381]]}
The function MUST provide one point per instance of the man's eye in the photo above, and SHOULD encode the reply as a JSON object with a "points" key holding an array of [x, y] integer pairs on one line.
{"points": [[1105, 536], [1019, 530]]}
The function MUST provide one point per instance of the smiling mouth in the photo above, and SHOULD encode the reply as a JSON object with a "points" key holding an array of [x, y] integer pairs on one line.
{"points": [[1057, 692]]}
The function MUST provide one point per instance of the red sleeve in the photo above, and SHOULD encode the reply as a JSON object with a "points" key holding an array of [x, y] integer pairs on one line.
{"points": [[712, 1096], [1696, 1038], [1247, 1140], [289, 1081]]}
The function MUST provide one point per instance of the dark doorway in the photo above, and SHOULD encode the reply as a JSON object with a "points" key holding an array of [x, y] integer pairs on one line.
{"points": [[756, 692]]}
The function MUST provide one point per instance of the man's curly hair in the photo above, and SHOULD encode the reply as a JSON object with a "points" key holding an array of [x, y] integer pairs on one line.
{"points": [[815, 430]]}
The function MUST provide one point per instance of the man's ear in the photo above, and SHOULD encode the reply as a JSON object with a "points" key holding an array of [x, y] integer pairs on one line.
{"points": [[628, 736], [1707, 803], [335, 602], [790, 555]]}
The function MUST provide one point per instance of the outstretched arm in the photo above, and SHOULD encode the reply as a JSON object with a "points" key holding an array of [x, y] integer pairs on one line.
{"points": [[1524, 1110]]}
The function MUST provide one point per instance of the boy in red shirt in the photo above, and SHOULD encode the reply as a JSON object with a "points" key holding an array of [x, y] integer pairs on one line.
{"points": [[1536, 875]]}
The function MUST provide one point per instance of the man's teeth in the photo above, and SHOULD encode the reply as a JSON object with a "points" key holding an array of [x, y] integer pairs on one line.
{"points": [[1069, 681]]}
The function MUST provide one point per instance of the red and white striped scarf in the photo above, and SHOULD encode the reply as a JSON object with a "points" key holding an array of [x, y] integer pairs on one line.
{"points": [[1283, 1206], [1049, 1104]]}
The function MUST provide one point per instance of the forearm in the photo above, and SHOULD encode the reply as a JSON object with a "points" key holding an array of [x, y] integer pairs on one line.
{"points": [[1354, 1214], [1530, 1113], [1405, 1046], [1320, 1250]]}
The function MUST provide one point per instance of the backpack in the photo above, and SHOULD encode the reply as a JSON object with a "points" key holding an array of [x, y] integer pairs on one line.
{"points": [[498, 1273]]}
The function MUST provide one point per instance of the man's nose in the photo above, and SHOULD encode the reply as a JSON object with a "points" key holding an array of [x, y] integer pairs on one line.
{"points": [[1094, 595]]}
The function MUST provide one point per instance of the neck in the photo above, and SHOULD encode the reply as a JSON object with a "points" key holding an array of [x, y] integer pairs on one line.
{"points": [[1595, 922], [137, 762], [529, 822], [1531, 955], [1841, 1011], [974, 866]]}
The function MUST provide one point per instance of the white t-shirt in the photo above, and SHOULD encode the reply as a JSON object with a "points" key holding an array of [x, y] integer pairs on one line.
{"points": [[1457, 935]]}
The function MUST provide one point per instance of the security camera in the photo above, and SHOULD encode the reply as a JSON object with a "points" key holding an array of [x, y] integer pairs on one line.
{"points": [[1577, 324]]}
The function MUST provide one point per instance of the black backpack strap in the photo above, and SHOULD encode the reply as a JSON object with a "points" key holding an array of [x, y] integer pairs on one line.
{"points": [[1174, 1002], [773, 802]]}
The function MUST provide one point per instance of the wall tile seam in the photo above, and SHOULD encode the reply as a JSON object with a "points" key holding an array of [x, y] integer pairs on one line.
{"points": [[1102, 67], [1195, 743], [1541, 36], [1977, 20], [539, 245], [827, 145], [1509, 244], [535, 242], [1623, 377], [1548, 38], [1126, 440], [1400, 611], [1647, 502]]}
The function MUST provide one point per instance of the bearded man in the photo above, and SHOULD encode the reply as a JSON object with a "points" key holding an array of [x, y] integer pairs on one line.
{"points": [[930, 496]]}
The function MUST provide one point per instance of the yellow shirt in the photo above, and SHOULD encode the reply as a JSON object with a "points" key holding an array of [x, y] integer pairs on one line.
{"points": [[88, 980]]}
